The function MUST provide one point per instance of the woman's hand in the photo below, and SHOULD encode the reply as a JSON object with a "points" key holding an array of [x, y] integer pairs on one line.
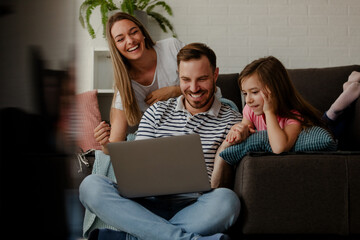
{"points": [[162, 94], [102, 133]]}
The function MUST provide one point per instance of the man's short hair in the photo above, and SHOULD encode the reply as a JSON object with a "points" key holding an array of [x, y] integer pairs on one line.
{"points": [[196, 51]]}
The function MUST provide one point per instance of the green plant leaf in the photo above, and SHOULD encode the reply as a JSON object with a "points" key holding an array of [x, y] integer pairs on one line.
{"points": [[88, 25], [104, 11], [162, 4], [82, 11], [128, 6], [111, 6], [163, 22], [142, 4]]}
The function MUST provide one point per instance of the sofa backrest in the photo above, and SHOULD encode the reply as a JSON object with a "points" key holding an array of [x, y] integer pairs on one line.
{"points": [[228, 83]]}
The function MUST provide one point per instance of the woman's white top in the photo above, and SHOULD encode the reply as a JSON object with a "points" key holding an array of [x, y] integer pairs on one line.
{"points": [[165, 72]]}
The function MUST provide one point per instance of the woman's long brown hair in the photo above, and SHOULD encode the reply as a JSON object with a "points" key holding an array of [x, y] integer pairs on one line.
{"points": [[122, 82]]}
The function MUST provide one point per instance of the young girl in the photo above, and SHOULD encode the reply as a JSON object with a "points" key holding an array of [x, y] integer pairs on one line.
{"points": [[272, 104]]}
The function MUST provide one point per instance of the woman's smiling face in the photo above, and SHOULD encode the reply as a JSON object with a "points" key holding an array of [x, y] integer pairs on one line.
{"points": [[128, 39]]}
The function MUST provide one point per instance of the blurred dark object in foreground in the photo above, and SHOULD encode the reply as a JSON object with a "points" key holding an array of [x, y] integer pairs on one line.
{"points": [[5, 9], [34, 164], [32, 177]]}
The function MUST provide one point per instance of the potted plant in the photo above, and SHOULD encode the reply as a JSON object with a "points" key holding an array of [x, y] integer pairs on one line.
{"points": [[128, 6]]}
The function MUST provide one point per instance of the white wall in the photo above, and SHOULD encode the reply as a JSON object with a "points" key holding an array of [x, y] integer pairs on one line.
{"points": [[301, 33]]}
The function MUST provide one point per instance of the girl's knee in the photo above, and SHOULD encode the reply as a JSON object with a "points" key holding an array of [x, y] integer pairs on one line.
{"points": [[354, 77]]}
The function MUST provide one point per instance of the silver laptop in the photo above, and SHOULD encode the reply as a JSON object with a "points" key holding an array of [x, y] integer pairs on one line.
{"points": [[159, 166]]}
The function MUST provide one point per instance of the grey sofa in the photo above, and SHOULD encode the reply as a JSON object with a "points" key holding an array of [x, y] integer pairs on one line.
{"points": [[292, 195], [309, 194]]}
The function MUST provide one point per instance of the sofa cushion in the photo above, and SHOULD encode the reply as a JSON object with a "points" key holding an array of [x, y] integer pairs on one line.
{"points": [[314, 139], [89, 118], [256, 142], [311, 139]]}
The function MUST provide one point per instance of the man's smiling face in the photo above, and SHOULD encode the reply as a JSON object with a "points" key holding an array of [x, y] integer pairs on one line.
{"points": [[197, 84]]}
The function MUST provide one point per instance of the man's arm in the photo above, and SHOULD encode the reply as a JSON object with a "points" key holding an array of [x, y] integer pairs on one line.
{"points": [[223, 173]]}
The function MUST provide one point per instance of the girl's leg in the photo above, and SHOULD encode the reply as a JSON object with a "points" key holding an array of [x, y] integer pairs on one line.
{"points": [[354, 77], [349, 95]]}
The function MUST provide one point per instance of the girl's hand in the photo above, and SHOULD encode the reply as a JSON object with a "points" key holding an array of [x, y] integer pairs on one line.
{"points": [[238, 133], [162, 94], [268, 104], [102, 133]]}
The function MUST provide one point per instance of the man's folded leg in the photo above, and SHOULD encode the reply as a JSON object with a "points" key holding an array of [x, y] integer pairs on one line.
{"points": [[100, 196], [213, 212]]}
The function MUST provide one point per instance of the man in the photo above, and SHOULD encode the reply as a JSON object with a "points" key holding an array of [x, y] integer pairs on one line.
{"points": [[192, 216]]}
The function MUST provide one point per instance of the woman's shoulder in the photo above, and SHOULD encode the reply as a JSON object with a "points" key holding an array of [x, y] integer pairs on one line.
{"points": [[170, 40], [170, 43]]}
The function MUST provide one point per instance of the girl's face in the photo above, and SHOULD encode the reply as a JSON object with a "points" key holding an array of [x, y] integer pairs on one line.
{"points": [[251, 89], [128, 39]]}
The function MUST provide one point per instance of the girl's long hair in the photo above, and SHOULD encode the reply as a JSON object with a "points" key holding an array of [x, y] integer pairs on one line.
{"points": [[272, 74], [122, 82]]}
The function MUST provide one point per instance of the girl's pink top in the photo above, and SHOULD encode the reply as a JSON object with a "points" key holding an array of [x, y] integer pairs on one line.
{"points": [[259, 121]]}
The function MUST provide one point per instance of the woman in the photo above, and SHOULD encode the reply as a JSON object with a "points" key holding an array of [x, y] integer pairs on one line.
{"points": [[144, 73]]}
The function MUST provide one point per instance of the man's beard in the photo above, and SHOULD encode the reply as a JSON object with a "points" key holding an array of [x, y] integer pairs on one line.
{"points": [[199, 105]]}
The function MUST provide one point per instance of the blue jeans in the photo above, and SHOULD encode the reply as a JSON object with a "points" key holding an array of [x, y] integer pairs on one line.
{"points": [[171, 217]]}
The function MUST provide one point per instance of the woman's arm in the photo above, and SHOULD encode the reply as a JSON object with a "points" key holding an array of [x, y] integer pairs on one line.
{"points": [[163, 94]]}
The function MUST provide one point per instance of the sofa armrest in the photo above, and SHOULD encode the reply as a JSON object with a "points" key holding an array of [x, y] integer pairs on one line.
{"points": [[354, 194], [297, 193]]}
